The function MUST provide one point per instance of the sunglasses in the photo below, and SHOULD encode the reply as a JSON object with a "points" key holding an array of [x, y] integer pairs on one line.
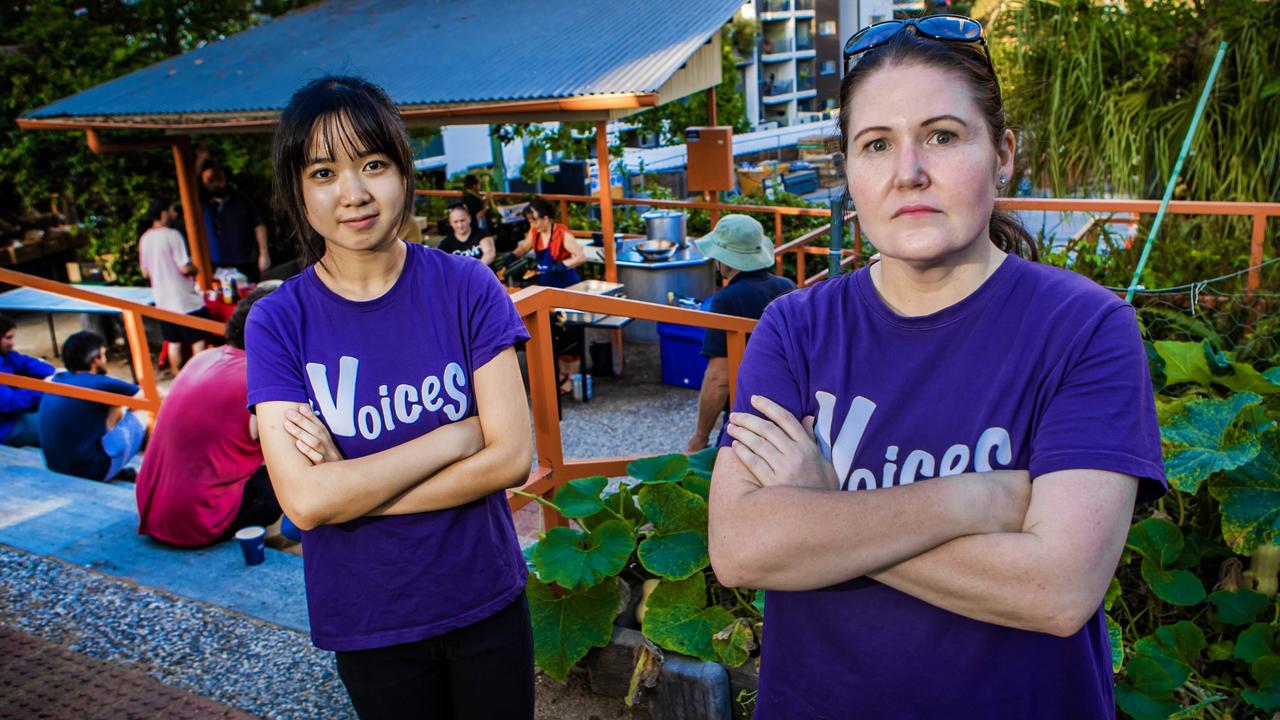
{"points": [[947, 28]]}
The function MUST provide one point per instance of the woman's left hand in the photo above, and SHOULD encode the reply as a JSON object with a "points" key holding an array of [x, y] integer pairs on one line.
{"points": [[778, 449], [310, 436]]}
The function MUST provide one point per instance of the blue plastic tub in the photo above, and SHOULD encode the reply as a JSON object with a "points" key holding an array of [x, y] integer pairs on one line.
{"points": [[681, 349]]}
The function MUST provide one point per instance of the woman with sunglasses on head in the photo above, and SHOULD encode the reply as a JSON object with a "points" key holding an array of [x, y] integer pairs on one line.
{"points": [[933, 461], [391, 434]]}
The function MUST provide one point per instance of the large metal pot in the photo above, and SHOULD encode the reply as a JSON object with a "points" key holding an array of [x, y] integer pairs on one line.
{"points": [[666, 225]]}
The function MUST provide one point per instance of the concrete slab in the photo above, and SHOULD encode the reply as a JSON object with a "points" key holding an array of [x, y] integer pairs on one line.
{"points": [[94, 525]]}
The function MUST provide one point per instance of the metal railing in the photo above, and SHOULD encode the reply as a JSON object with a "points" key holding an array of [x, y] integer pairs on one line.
{"points": [[775, 6], [775, 89]]}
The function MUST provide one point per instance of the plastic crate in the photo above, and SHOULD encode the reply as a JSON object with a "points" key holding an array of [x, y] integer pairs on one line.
{"points": [[681, 350]]}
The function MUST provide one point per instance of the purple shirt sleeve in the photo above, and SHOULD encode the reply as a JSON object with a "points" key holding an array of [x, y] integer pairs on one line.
{"points": [[272, 369], [493, 321], [1103, 416]]}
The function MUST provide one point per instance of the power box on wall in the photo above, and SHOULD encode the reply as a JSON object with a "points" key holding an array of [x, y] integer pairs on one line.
{"points": [[710, 158]]}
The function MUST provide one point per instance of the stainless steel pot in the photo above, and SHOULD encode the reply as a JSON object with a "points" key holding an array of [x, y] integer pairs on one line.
{"points": [[666, 225]]}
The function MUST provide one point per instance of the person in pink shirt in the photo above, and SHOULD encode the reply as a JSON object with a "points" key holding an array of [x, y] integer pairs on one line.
{"points": [[203, 476]]}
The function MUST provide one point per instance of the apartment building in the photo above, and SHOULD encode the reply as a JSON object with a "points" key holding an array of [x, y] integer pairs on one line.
{"points": [[794, 73]]}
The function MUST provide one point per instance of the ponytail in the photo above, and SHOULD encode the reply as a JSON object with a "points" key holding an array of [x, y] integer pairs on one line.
{"points": [[1009, 235]]}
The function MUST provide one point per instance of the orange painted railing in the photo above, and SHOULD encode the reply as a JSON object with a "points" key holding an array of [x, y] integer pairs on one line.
{"points": [[139, 352], [801, 247], [535, 306]]}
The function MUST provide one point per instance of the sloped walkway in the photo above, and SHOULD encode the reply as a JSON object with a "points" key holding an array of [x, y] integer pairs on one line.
{"points": [[41, 679]]}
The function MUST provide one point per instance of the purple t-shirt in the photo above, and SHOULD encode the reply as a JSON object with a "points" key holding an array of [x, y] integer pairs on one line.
{"points": [[1038, 369], [381, 373]]}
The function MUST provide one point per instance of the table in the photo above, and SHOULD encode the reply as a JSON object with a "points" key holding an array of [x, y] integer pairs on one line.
{"points": [[601, 321], [32, 300]]}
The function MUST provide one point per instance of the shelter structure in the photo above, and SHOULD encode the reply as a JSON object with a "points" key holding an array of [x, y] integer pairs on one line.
{"points": [[441, 61]]}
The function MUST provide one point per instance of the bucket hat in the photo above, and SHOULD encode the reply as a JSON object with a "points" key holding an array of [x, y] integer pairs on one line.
{"points": [[739, 242]]}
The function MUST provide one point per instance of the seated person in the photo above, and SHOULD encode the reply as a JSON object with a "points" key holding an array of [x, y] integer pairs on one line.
{"points": [[18, 407], [464, 239], [203, 476], [89, 439]]}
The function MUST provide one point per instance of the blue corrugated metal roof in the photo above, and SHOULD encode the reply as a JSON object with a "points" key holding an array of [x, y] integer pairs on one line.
{"points": [[423, 52]]}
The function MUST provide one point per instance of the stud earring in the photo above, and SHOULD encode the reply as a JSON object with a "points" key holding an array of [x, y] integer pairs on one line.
{"points": [[1002, 181]]}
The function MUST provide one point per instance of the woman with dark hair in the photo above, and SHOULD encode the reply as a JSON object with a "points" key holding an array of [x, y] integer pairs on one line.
{"points": [[463, 238], [557, 250], [1000, 410], [392, 434]]}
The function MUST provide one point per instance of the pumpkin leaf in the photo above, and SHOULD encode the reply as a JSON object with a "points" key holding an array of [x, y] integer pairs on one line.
{"points": [[1219, 362], [1156, 364], [1147, 692], [1116, 636], [698, 485], [1249, 498], [677, 547], [1239, 607], [1197, 437], [678, 618], [573, 558], [734, 643], [660, 469], [621, 502], [1156, 539], [1176, 587], [1266, 671], [566, 627], [702, 462], [1255, 643], [581, 497], [1184, 362]]}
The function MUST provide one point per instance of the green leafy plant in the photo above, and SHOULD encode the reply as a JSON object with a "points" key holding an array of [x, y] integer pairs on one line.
{"points": [[656, 531], [1181, 648]]}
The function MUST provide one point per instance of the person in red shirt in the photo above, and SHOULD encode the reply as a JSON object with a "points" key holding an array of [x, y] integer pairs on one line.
{"points": [[203, 475]]}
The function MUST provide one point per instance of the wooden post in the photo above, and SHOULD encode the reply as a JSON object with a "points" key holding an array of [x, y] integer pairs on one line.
{"points": [[564, 212], [777, 238], [136, 333], [736, 344], [606, 202], [1256, 247], [192, 213], [546, 409], [714, 199], [711, 106]]}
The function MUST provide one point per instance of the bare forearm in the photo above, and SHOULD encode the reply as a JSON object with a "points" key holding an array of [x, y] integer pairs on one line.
{"points": [[711, 400], [335, 492], [789, 538], [1008, 579], [261, 233], [494, 468]]}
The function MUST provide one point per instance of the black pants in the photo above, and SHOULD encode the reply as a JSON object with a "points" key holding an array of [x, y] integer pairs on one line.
{"points": [[258, 506], [483, 670]]}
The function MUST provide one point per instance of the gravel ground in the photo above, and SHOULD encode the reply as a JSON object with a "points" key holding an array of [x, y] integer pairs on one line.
{"points": [[258, 667]]}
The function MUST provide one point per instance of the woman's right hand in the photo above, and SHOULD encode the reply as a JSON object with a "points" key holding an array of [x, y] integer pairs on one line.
{"points": [[310, 436]]}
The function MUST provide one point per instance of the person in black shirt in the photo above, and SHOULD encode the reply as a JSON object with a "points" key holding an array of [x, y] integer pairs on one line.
{"points": [[744, 256], [237, 234], [478, 205], [463, 239]]}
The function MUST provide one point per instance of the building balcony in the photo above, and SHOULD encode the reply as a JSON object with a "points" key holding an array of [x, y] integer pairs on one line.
{"points": [[776, 49], [780, 8], [804, 42], [804, 8], [776, 92], [805, 82]]}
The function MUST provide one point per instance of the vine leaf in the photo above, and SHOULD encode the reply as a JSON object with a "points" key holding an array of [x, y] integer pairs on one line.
{"points": [[572, 558], [1197, 438], [581, 497], [1239, 607], [1249, 498], [622, 503], [1273, 375], [1156, 539], [697, 485], [1176, 587], [661, 469], [1179, 644], [565, 628], [1184, 362], [677, 547], [1147, 692], [1157, 365], [702, 462], [1196, 712], [678, 617], [734, 643], [1255, 643], [1267, 672], [1116, 636]]}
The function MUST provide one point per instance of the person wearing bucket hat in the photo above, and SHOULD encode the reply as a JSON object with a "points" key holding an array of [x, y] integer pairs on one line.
{"points": [[744, 257]]}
